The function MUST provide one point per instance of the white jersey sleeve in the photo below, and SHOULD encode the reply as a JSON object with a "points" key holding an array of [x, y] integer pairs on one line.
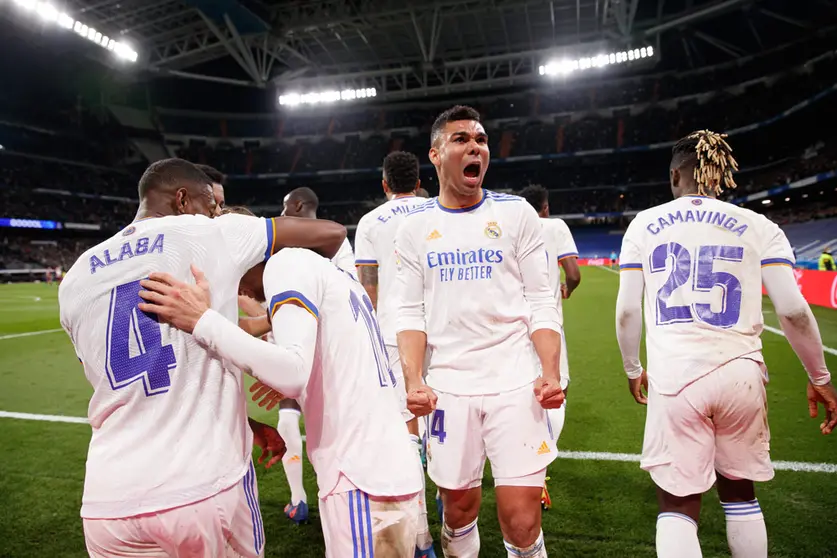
{"points": [[410, 281], [364, 247], [534, 272], [566, 243], [777, 250], [292, 278], [250, 240], [345, 258]]}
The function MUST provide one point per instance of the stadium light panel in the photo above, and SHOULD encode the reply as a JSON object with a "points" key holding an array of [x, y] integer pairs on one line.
{"points": [[50, 14], [324, 97], [565, 67]]}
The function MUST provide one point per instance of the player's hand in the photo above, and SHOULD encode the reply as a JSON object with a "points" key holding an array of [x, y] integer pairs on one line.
{"points": [[825, 395], [421, 400], [271, 443], [548, 392], [250, 307], [265, 395], [565, 292], [175, 302], [637, 385]]}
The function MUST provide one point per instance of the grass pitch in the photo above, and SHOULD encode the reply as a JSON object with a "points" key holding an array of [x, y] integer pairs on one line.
{"points": [[599, 508]]}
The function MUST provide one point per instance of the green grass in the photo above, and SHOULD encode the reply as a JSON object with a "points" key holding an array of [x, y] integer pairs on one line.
{"points": [[600, 508]]}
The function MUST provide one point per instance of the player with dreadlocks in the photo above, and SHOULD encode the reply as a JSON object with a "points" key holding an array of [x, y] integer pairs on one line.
{"points": [[701, 263]]}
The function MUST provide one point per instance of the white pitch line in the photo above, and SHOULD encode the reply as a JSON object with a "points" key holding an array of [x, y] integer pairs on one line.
{"points": [[46, 418], [798, 466], [778, 331], [29, 334]]}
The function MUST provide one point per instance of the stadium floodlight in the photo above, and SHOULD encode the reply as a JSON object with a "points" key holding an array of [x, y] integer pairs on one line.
{"points": [[565, 67], [50, 14], [328, 96]]}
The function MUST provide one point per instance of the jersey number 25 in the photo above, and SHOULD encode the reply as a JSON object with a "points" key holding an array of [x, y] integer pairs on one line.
{"points": [[705, 279]]}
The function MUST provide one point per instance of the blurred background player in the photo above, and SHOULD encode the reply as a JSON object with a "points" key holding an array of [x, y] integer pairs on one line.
{"points": [[328, 354], [707, 407], [422, 193], [218, 181], [375, 260], [560, 250], [473, 286], [826, 261], [303, 202], [163, 504]]}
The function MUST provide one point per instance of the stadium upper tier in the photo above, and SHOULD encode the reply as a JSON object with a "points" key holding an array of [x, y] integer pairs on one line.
{"points": [[763, 101]]}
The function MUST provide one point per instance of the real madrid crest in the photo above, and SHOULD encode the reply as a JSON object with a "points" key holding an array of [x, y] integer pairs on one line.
{"points": [[493, 230]]}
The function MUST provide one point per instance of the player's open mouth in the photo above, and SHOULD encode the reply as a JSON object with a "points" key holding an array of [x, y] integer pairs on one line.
{"points": [[472, 171]]}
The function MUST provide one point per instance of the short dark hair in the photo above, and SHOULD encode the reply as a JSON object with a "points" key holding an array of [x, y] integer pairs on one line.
{"points": [[216, 176], [305, 195], [237, 210], [453, 114], [536, 195], [401, 171], [168, 174]]}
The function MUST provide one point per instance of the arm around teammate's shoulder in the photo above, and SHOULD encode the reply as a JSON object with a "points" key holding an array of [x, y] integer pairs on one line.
{"points": [[320, 235]]}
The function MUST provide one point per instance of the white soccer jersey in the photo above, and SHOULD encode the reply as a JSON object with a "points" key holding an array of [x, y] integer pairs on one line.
{"points": [[169, 423], [375, 246], [353, 422], [345, 258], [701, 260], [559, 244], [476, 281]]}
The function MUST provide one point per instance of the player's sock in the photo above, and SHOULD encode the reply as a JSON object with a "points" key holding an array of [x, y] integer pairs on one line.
{"points": [[288, 428], [461, 543], [746, 532], [423, 538], [677, 536], [535, 550], [556, 420]]}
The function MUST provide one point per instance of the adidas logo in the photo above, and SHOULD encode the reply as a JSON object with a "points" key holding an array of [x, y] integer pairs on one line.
{"points": [[294, 459], [544, 448], [434, 235]]}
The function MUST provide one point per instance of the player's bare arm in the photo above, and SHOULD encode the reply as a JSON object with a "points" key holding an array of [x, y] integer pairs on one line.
{"points": [[800, 327], [629, 331], [412, 345], [284, 368], [321, 236], [572, 275], [368, 276]]}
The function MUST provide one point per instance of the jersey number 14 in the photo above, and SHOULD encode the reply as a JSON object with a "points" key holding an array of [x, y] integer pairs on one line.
{"points": [[705, 278]]}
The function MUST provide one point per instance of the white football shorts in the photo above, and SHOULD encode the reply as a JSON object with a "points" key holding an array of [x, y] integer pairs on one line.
{"points": [[228, 524], [357, 524], [510, 429], [719, 422]]}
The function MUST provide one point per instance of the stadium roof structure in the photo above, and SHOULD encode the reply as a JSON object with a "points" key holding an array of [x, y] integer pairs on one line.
{"points": [[411, 48]]}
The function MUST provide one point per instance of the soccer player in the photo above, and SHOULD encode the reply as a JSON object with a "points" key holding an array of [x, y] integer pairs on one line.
{"points": [[303, 202], [613, 257], [168, 468], [375, 260], [701, 263], [329, 355], [473, 287], [218, 181]]}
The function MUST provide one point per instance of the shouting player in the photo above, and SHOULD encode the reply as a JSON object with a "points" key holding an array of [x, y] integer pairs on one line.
{"points": [[168, 467], [303, 202], [329, 355], [701, 264], [473, 287], [375, 260]]}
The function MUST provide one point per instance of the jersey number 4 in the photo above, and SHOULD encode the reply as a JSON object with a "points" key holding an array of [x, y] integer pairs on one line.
{"points": [[135, 350], [363, 309], [705, 279]]}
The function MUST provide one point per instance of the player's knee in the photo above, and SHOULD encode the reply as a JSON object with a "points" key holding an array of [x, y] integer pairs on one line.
{"points": [[461, 508], [522, 528]]}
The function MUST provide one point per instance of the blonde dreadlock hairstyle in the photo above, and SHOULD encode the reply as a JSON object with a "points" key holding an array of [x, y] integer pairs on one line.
{"points": [[712, 159]]}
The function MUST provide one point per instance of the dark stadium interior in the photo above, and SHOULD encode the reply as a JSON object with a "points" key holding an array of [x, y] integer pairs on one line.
{"points": [[583, 97]]}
